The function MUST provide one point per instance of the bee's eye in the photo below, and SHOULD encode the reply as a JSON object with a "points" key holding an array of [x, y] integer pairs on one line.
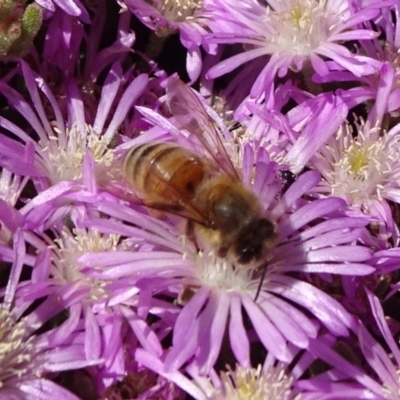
{"points": [[247, 254], [254, 241]]}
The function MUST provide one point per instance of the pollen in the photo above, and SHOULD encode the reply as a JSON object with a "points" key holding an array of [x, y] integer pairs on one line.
{"points": [[300, 17], [361, 165], [220, 274], [358, 160], [255, 384], [16, 352], [71, 245], [302, 26], [65, 158], [179, 10]]}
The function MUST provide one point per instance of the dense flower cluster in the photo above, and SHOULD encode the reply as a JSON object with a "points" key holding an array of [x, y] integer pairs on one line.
{"points": [[234, 237]]}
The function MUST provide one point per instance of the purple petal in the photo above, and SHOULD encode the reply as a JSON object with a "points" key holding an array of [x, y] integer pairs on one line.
{"points": [[309, 212], [380, 319], [288, 326], [237, 333], [232, 63], [325, 308], [269, 335], [210, 348], [146, 337], [43, 389], [92, 336], [108, 93], [131, 94], [16, 269]]}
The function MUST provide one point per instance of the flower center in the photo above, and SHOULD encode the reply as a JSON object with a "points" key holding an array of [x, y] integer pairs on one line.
{"points": [[221, 274], [361, 167], [73, 245], [66, 159], [179, 10], [358, 159], [302, 26], [364, 164], [255, 384], [17, 354]]}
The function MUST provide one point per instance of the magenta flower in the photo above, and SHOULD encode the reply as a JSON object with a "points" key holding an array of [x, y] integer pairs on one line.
{"points": [[73, 148], [270, 381], [100, 305], [24, 362], [213, 292], [142, 290], [224, 291], [337, 378], [292, 32], [167, 17], [363, 170], [27, 361], [314, 237]]}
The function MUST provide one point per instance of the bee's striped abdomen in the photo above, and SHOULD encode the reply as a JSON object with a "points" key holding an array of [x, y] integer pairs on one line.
{"points": [[160, 171]]}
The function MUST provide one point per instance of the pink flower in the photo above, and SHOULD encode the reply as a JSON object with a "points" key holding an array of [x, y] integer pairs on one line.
{"points": [[213, 292], [292, 32], [168, 17]]}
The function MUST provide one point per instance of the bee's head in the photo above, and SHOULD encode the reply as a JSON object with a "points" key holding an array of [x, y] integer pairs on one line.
{"points": [[254, 242]]}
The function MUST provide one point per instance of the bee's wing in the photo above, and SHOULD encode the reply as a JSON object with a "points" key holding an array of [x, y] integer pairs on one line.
{"points": [[177, 205], [183, 102]]}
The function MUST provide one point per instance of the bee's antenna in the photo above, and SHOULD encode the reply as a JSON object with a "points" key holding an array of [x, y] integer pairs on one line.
{"points": [[261, 282]]}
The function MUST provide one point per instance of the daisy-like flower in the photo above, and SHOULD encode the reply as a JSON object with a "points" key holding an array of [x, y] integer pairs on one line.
{"points": [[169, 16], [314, 238], [292, 32], [101, 304], [268, 382], [27, 361], [363, 169], [65, 139], [321, 372], [254, 384]]}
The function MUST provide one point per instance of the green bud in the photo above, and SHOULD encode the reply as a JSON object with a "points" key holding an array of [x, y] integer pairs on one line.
{"points": [[18, 27]]}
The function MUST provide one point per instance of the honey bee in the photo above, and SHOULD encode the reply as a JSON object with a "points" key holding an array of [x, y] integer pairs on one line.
{"points": [[223, 214]]}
